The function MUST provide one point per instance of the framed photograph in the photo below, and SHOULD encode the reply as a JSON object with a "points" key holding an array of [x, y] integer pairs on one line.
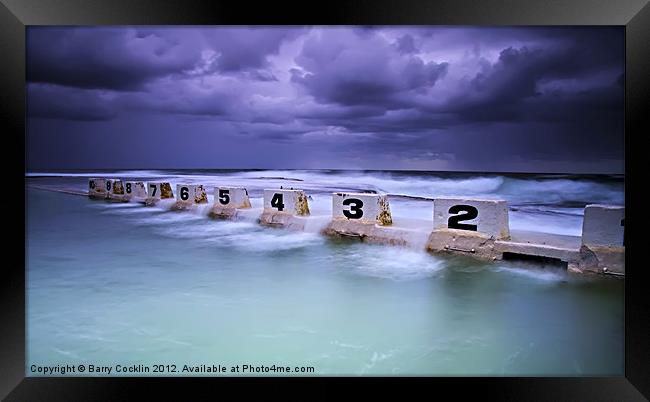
{"points": [[370, 189]]}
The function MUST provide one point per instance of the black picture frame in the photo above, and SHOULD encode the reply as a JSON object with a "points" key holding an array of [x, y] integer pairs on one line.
{"points": [[15, 15]]}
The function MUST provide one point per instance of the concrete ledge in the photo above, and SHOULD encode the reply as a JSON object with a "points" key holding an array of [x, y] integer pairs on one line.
{"points": [[372, 233], [580, 258], [455, 241], [219, 212], [97, 195], [118, 197], [151, 201], [540, 250], [601, 260], [282, 220], [182, 206]]}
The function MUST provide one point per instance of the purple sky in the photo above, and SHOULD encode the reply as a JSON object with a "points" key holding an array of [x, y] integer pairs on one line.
{"points": [[540, 99]]}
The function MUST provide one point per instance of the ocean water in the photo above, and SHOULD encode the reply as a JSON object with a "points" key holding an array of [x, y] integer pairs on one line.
{"points": [[111, 284]]}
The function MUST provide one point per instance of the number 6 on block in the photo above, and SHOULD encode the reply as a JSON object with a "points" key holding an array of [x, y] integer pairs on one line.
{"points": [[191, 194], [292, 202], [489, 217], [364, 208]]}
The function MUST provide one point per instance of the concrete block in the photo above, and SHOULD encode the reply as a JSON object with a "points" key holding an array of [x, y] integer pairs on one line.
{"points": [[227, 200], [290, 202], [188, 195], [157, 191], [285, 208], [603, 226], [489, 217], [135, 190], [364, 208], [233, 197], [118, 192], [97, 188]]}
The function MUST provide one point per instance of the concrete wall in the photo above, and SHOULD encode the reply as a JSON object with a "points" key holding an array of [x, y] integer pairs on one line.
{"points": [[365, 208], [294, 202], [491, 216], [603, 225], [231, 197]]}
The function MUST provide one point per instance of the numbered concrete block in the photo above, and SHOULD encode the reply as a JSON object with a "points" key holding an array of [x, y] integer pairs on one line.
{"points": [[117, 192], [285, 208], [488, 217], [135, 190], [603, 240], [604, 226], [291, 202], [97, 188], [188, 195], [157, 191], [227, 200], [364, 208]]}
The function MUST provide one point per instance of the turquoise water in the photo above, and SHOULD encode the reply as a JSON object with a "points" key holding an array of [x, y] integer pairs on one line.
{"points": [[111, 284]]}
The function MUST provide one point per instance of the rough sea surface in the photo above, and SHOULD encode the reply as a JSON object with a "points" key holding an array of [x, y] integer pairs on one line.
{"points": [[124, 284]]}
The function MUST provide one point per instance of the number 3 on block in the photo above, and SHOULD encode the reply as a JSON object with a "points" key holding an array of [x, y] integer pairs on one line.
{"points": [[355, 211]]}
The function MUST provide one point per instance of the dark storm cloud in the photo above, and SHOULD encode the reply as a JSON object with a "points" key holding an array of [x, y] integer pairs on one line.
{"points": [[127, 58], [510, 88], [247, 49], [108, 58], [57, 102], [405, 44], [345, 68], [462, 96]]}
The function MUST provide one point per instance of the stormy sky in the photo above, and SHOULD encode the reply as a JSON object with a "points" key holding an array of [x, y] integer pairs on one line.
{"points": [[528, 99]]}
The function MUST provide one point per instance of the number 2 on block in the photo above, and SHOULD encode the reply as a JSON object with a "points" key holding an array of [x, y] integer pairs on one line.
{"points": [[470, 213]]}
